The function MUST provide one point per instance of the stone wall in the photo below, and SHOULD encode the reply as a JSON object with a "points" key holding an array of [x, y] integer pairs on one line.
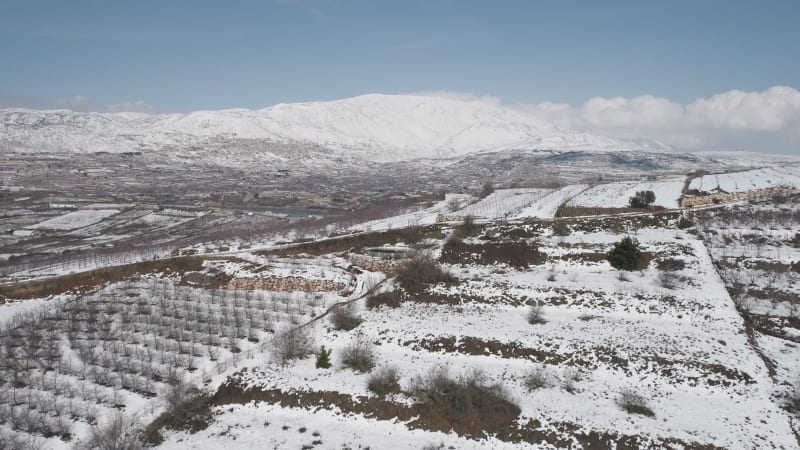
{"points": [[372, 264], [690, 201], [285, 284]]}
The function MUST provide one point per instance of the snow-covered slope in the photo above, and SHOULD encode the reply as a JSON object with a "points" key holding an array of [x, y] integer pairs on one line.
{"points": [[376, 127]]}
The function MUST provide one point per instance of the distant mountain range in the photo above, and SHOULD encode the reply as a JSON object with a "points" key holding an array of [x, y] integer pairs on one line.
{"points": [[374, 127]]}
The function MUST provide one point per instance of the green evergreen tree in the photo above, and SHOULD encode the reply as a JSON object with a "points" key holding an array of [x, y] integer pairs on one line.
{"points": [[642, 199], [626, 255], [323, 358]]}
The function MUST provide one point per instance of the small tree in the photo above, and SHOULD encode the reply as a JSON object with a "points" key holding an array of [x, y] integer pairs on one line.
{"points": [[642, 199], [486, 190], [626, 255], [323, 358]]}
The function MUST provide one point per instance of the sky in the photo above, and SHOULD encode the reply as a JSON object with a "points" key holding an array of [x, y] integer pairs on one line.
{"points": [[597, 65]]}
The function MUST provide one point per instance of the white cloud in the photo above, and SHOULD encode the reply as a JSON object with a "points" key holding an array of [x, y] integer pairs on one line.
{"points": [[84, 104], [75, 103], [773, 109], [134, 106], [771, 116], [463, 96]]}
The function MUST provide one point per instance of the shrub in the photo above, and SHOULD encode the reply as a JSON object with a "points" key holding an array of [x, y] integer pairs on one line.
{"points": [[668, 280], [323, 358], [626, 255], [571, 377], [391, 299], [634, 403], [793, 399], [384, 381], [560, 228], [291, 344], [120, 432], [466, 404], [178, 393], [345, 318], [536, 379], [467, 228], [486, 190], [12, 440], [642, 199], [536, 314], [359, 355], [420, 270], [684, 223]]}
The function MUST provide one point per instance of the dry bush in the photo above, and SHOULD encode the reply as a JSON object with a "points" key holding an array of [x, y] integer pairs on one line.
{"points": [[536, 314], [669, 280], [467, 405], [793, 398], [560, 228], [467, 228], [536, 379], [420, 270], [391, 299], [571, 377], [292, 344], [634, 403], [384, 381], [120, 432], [14, 440], [359, 355], [345, 318], [178, 393]]}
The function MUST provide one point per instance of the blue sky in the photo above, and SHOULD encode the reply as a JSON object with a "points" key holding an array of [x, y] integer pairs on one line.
{"points": [[186, 55]]}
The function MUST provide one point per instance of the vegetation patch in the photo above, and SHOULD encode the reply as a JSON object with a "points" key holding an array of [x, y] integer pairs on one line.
{"points": [[391, 299], [467, 404], [626, 255], [357, 242], [421, 270], [519, 254], [557, 434]]}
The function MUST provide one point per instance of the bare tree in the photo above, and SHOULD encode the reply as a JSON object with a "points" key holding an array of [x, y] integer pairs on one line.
{"points": [[120, 432]]}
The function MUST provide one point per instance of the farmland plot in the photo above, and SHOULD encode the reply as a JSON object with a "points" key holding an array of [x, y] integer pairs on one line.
{"points": [[504, 203], [757, 251], [548, 205], [76, 360], [749, 180], [75, 219], [617, 195]]}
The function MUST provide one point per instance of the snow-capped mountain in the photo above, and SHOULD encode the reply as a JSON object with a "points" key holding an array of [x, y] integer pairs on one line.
{"points": [[375, 127]]}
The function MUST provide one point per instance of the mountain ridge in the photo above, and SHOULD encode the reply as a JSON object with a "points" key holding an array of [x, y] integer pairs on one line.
{"points": [[376, 127]]}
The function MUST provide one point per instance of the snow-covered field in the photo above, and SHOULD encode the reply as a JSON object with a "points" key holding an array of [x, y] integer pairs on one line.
{"points": [[419, 216], [788, 174], [547, 206], [683, 349], [617, 195], [670, 333], [504, 203], [76, 219]]}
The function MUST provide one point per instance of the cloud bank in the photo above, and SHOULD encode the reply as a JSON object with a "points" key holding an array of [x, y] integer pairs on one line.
{"points": [[765, 121]]}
